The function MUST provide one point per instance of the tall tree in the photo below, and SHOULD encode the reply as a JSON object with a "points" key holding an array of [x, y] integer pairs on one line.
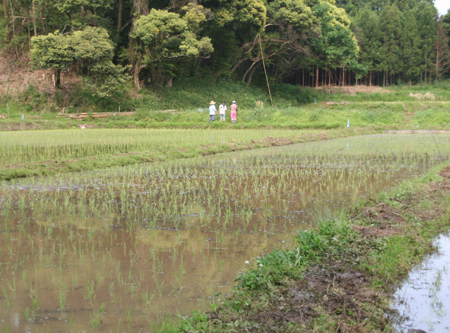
{"points": [[410, 47], [390, 29], [442, 49], [162, 35], [425, 15], [91, 48], [369, 39], [337, 46]]}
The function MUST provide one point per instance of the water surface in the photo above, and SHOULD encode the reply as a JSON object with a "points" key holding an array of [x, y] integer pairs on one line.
{"points": [[423, 300]]}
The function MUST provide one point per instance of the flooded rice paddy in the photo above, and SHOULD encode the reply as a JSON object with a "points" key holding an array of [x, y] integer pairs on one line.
{"points": [[126, 249], [423, 301]]}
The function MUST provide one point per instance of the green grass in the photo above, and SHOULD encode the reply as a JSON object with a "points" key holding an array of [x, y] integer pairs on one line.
{"points": [[295, 107]]}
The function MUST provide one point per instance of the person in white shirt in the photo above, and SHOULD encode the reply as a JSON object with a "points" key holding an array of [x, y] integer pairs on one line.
{"points": [[212, 111], [222, 109]]}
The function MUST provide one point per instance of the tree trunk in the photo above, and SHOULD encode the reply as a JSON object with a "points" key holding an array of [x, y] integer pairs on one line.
{"points": [[437, 67], [136, 70], [250, 77], [42, 21], [34, 19], [370, 78], [57, 78], [119, 16], [317, 76], [13, 25], [303, 77], [5, 14], [248, 70], [343, 76], [426, 61]]}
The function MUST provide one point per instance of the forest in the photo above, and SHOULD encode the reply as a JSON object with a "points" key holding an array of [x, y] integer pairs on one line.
{"points": [[302, 42]]}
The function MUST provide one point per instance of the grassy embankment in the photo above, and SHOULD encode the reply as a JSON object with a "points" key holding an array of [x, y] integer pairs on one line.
{"points": [[411, 107], [36, 153], [340, 276]]}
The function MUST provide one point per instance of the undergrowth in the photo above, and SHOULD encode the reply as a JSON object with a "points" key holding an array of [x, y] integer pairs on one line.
{"points": [[185, 105]]}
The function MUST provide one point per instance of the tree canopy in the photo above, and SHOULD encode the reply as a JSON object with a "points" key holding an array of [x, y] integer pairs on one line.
{"points": [[312, 42]]}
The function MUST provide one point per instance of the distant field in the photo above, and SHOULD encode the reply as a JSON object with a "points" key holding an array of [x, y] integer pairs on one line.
{"points": [[33, 153], [35, 146]]}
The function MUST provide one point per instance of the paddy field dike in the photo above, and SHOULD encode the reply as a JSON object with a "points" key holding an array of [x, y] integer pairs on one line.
{"points": [[155, 223]]}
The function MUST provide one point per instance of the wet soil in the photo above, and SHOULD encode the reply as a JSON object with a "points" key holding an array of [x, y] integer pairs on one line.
{"points": [[301, 302]]}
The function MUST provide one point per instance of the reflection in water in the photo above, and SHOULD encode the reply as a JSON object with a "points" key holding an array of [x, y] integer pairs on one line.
{"points": [[133, 246], [423, 301]]}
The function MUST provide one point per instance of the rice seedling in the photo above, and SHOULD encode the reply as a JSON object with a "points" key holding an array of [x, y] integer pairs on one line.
{"points": [[147, 297], [71, 320], [34, 298], [102, 307], [62, 297], [27, 315], [90, 289], [129, 313], [95, 320]]}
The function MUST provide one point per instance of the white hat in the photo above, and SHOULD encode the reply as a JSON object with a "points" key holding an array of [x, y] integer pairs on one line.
{"points": [[212, 102]]}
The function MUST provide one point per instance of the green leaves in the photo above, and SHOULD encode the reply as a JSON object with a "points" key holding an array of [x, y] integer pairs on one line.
{"points": [[295, 13], [157, 26], [92, 44], [164, 34], [248, 17], [91, 48], [337, 44], [52, 51]]}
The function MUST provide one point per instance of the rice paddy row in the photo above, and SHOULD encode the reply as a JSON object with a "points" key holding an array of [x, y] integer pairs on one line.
{"points": [[25, 154], [129, 248]]}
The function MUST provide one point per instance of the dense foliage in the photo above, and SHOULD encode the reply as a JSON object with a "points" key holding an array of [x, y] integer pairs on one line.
{"points": [[308, 42]]}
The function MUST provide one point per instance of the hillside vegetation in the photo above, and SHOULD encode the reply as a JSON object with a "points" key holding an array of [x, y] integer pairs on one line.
{"points": [[185, 105], [114, 44]]}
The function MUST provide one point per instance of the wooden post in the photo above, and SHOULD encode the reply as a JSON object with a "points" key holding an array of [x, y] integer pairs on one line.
{"points": [[265, 72]]}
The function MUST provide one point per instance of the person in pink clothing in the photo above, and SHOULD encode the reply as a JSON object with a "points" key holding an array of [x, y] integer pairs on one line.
{"points": [[233, 110]]}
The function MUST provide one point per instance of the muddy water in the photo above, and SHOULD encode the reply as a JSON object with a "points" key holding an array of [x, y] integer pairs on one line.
{"points": [[423, 301], [127, 248]]}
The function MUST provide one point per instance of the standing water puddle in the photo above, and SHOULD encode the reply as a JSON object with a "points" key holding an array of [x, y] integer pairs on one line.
{"points": [[423, 301], [127, 248]]}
